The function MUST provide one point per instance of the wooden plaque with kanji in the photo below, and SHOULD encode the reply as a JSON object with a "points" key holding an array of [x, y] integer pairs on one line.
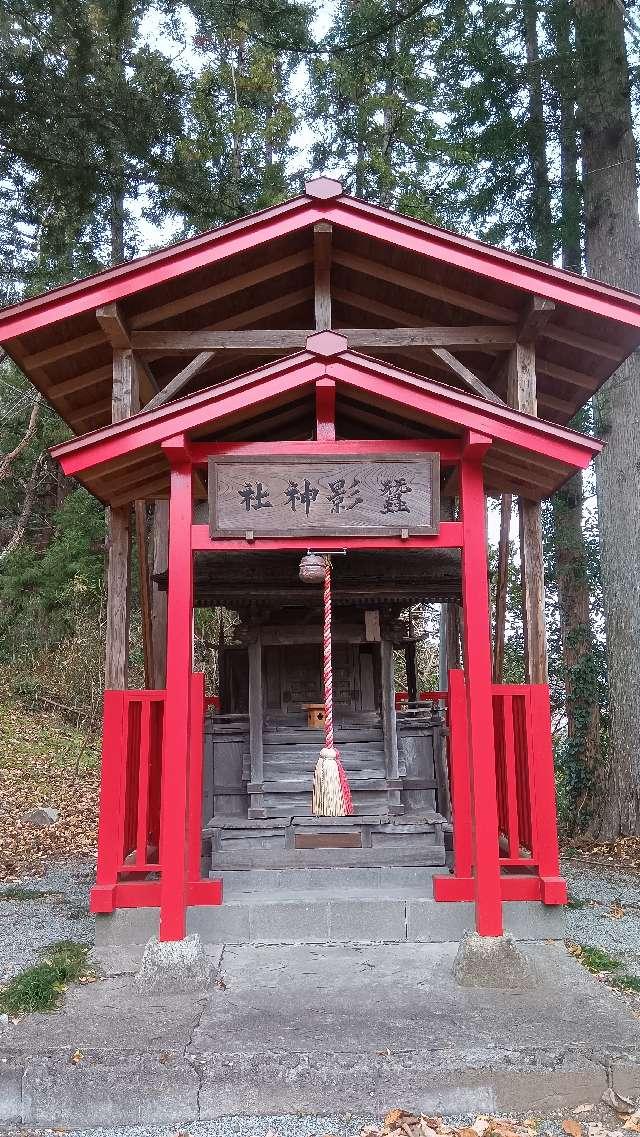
{"points": [[348, 495]]}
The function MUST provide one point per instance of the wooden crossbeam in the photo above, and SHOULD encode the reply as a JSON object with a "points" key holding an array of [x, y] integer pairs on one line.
{"points": [[179, 381], [285, 339], [322, 240]]}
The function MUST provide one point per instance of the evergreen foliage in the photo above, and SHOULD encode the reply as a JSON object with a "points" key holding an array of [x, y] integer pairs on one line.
{"points": [[116, 115]]}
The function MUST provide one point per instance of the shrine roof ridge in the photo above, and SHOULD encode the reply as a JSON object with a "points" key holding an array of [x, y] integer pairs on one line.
{"points": [[303, 211]]}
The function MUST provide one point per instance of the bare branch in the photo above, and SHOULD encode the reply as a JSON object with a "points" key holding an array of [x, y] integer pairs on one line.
{"points": [[8, 459], [25, 512]]}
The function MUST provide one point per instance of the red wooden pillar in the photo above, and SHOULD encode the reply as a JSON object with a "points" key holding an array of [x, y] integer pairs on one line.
{"points": [[477, 657], [176, 744]]}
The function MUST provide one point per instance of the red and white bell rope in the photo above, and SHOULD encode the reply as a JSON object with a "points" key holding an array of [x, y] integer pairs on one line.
{"points": [[331, 792]]}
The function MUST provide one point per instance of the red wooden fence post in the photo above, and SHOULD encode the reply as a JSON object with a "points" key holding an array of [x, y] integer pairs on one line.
{"points": [[195, 776], [460, 774], [176, 743], [542, 788], [477, 658], [112, 781]]}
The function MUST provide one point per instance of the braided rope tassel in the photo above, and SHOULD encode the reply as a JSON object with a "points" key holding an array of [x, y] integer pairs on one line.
{"points": [[331, 792]]}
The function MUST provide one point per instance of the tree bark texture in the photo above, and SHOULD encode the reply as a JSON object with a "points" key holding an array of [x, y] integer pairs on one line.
{"points": [[612, 247]]}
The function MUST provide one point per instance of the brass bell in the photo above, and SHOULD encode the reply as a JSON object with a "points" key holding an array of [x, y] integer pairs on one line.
{"points": [[312, 568]]}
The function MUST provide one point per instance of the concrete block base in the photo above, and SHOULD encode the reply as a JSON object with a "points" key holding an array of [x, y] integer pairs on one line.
{"points": [[169, 968], [315, 917], [492, 961]]}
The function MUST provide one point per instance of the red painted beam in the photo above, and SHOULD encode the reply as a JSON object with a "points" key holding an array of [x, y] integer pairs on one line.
{"points": [[477, 656], [449, 537], [449, 449], [519, 430], [177, 711]]}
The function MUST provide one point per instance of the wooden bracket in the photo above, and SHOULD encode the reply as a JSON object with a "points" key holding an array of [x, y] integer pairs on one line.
{"points": [[536, 314], [177, 450]]}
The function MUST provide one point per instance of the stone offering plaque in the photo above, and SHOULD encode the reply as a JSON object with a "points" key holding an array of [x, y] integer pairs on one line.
{"points": [[350, 496]]}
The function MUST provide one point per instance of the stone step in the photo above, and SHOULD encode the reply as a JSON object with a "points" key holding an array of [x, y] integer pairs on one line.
{"points": [[385, 877], [338, 915], [421, 855]]}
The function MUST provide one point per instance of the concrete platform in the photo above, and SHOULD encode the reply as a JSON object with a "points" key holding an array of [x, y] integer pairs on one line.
{"points": [[317, 915], [318, 1028]]}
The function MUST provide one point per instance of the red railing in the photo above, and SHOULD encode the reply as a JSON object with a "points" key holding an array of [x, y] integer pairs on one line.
{"points": [[402, 697], [129, 868], [525, 788]]}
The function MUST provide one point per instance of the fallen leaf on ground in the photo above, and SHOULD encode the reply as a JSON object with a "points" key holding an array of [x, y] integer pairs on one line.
{"points": [[618, 1102], [633, 1122], [573, 1128], [480, 1126]]}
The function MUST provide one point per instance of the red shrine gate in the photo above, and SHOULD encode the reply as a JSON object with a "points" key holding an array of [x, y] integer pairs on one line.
{"points": [[238, 302], [501, 761]]}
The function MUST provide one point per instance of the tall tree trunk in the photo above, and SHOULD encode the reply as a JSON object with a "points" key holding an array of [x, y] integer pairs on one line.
{"points": [[570, 554], [612, 247], [541, 216]]}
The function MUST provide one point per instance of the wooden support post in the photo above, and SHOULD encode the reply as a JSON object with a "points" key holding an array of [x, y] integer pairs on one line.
{"points": [[389, 726], [125, 398], [501, 588], [177, 711], [477, 651], [118, 569], [145, 598], [532, 575], [322, 274], [256, 721], [521, 394], [410, 664], [159, 596], [124, 402]]}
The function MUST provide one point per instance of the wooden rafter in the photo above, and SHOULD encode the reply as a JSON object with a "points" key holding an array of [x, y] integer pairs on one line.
{"points": [[224, 288], [422, 287]]}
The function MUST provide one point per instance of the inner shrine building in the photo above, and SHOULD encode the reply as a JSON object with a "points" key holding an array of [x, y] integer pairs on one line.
{"points": [[323, 377]]}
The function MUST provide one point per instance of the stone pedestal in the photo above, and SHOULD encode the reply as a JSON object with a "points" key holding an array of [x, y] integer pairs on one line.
{"points": [[179, 965], [492, 961]]}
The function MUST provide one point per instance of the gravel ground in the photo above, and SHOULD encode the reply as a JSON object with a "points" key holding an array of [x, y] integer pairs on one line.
{"points": [[314, 1125], [26, 926], [610, 918]]}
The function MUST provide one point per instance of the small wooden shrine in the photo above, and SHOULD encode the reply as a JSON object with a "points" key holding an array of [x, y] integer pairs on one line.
{"points": [[323, 376]]}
